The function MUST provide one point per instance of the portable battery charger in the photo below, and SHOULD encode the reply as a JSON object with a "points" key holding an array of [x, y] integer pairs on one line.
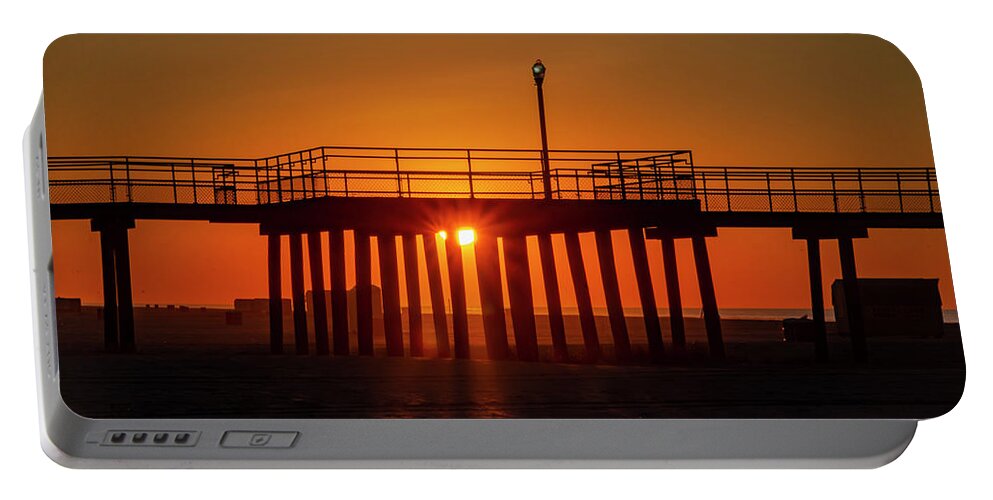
{"points": [[405, 251]]}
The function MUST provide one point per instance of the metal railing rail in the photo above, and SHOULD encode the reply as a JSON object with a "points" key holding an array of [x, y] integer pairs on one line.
{"points": [[489, 173]]}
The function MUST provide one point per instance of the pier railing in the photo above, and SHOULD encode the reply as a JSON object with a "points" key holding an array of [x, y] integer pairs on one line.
{"points": [[489, 174]]}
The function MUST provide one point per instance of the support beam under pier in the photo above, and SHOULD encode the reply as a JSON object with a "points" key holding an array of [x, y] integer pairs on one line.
{"points": [[110, 341], [650, 312], [456, 283], [412, 278], [708, 298], [612, 293], [437, 293], [275, 294], [817, 298], [297, 291], [853, 300], [390, 278], [556, 324], [676, 323], [316, 254], [584, 303], [515, 254], [363, 292], [125, 303], [491, 296], [339, 294]]}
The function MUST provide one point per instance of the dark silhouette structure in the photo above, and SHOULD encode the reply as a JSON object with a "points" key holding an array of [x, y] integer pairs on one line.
{"points": [[414, 193]]}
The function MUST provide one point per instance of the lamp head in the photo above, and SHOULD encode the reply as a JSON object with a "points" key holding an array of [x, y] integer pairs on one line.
{"points": [[538, 71]]}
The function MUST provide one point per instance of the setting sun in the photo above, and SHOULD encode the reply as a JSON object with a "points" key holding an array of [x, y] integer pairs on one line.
{"points": [[467, 236]]}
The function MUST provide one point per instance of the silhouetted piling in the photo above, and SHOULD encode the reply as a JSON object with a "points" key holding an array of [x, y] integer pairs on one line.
{"points": [[676, 323], [275, 294], [390, 278], [584, 303], [125, 302], [297, 290], [412, 279], [515, 253], [646, 293], [316, 255], [612, 293], [363, 292], [708, 298], [549, 274], [110, 341], [437, 293], [456, 283], [491, 296], [817, 298], [339, 294], [853, 299]]}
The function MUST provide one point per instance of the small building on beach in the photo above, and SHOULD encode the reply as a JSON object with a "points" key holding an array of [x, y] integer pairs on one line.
{"points": [[893, 307]]}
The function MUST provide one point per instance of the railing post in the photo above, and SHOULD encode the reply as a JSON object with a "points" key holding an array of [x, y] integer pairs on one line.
{"points": [[658, 177], [396, 161], [193, 180], [610, 185], [930, 194], [127, 176], [796, 206], [344, 177], [692, 174], [324, 168], [113, 189], [213, 182], [861, 191], [175, 195], [834, 192], [258, 193], [620, 173], [899, 192], [768, 189], [706, 204], [675, 179], [621, 177], [279, 180], [531, 183], [727, 188], [313, 178], [468, 162], [268, 183], [637, 171]]}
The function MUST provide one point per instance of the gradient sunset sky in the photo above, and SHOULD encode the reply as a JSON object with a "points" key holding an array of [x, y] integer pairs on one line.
{"points": [[733, 100]]}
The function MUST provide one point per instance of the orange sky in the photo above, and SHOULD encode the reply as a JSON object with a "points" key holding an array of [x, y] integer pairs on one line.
{"points": [[757, 100]]}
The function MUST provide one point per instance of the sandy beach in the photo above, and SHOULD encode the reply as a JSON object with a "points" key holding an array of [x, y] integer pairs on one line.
{"points": [[204, 367]]}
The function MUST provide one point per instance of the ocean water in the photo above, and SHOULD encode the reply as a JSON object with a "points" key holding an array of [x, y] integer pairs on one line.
{"points": [[775, 314]]}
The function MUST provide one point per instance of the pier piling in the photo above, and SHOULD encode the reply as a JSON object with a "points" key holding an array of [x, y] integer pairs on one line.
{"points": [[296, 288], [584, 303], [438, 315], [316, 255], [412, 279], [339, 294], [275, 294], [491, 296], [515, 253]]}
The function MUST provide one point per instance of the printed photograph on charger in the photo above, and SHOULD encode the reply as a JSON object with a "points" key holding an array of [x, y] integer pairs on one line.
{"points": [[496, 226]]}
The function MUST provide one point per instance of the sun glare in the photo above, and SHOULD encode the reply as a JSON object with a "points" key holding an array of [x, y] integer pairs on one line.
{"points": [[443, 235], [467, 236]]}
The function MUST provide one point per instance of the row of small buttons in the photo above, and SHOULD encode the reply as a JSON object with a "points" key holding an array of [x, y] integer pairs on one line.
{"points": [[142, 438], [230, 439]]}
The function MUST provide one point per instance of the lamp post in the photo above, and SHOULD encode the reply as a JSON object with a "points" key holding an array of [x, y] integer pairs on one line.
{"points": [[538, 71]]}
